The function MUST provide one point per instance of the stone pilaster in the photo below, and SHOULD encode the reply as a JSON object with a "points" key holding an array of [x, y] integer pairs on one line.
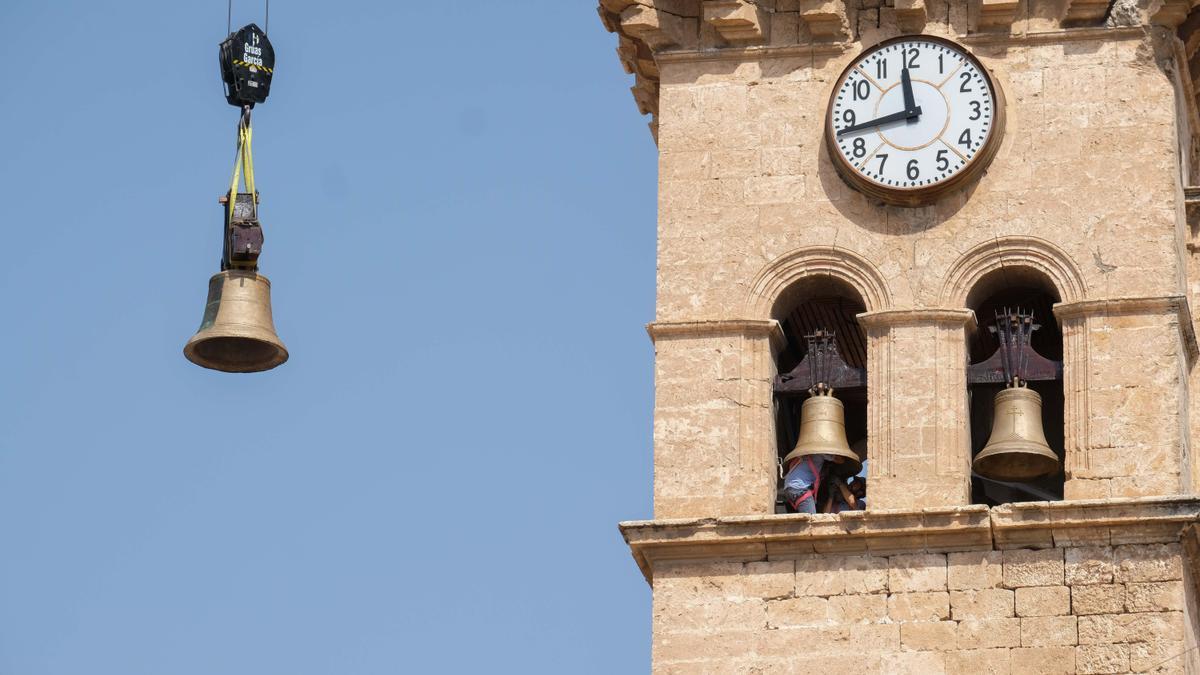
{"points": [[1126, 362], [714, 442], [917, 434]]}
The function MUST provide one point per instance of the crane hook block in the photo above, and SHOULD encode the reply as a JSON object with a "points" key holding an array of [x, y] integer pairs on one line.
{"points": [[247, 63]]}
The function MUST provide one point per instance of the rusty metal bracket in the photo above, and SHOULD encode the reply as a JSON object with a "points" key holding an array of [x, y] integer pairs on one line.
{"points": [[1015, 357], [822, 364], [243, 233]]}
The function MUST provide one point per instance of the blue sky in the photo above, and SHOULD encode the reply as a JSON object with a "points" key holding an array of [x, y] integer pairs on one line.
{"points": [[458, 201]]}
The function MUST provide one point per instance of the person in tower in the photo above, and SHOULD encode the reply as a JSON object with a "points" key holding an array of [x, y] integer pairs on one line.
{"points": [[840, 497], [803, 480]]}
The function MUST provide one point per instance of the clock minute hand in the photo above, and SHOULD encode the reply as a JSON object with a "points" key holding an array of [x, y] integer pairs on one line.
{"points": [[894, 117]]}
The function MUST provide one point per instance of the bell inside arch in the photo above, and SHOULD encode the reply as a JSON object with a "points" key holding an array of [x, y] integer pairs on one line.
{"points": [[823, 432], [1017, 449]]}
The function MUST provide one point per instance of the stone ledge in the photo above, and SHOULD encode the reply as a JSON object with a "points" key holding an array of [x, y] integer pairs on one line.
{"points": [[1157, 304], [935, 530], [769, 328]]}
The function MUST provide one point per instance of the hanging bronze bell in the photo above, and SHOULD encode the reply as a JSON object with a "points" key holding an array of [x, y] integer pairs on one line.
{"points": [[823, 432], [237, 334], [1017, 449]]}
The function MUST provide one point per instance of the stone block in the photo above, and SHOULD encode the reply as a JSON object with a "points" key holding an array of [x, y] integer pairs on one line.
{"points": [[990, 603], [927, 606], [1049, 631], [1033, 567], [827, 575], [883, 636], [768, 579], [845, 609], [916, 663], [1043, 601], [1147, 562], [1098, 599], [988, 633], [981, 662], [1162, 656], [928, 635], [1089, 565], [974, 570], [1043, 661], [1154, 596], [917, 572], [716, 615], [1101, 659], [1101, 629], [807, 611]]}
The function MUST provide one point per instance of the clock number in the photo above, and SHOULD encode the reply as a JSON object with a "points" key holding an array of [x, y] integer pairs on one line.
{"points": [[882, 157], [941, 66], [976, 114], [860, 147], [912, 58], [966, 79], [965, 137], [913, 170], [881, 69], [848, 117], [943, 163], [862, 89]]}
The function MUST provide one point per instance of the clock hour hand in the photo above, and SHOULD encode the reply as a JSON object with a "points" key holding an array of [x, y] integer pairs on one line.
{"points": [[910, 102], [894, 117]]}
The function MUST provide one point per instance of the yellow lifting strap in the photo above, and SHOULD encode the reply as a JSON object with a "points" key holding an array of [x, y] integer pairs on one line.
{"points": [[243, 162]]}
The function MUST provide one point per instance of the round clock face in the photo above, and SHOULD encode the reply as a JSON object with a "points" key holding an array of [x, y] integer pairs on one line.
{"points": [[913, 117]]}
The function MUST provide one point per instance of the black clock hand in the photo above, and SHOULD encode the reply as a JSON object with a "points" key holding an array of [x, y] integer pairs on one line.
{"points": [[894, 117], [910, 102]]}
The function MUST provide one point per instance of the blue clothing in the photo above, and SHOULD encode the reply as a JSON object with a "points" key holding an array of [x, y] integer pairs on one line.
{"points": [[801, 477]]}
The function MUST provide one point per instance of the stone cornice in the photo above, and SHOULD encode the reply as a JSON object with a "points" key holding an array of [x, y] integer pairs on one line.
{"points": [[678, 30], [1155, 304], [915, 317], [935, 530]]}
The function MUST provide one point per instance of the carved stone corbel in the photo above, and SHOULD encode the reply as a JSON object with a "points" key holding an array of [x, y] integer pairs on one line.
{"points": [[1172, 13], [911, 15], [996, 15], [826, 19], [1077, 12], [656, 27], [738, 21], [645, 93]]}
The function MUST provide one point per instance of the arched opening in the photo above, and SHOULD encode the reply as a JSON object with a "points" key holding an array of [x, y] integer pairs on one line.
{"points": [[806, 308], [998, 294]]}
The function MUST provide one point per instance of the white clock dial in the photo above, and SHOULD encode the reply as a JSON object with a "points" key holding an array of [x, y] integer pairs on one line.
{"points": [[912, 113]]}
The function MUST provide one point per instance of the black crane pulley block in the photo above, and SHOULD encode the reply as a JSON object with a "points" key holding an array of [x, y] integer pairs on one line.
{"points": [[247, 63]]}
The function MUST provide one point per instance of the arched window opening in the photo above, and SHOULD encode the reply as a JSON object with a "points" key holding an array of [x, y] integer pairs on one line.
{"points": [[1003, 301], [818, 313]]}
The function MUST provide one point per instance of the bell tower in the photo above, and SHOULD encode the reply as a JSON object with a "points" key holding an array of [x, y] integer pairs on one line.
{"points": [[973, 224]]}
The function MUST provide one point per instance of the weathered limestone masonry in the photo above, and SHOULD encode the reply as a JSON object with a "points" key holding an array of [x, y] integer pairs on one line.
{"points": [[1091, 191]]}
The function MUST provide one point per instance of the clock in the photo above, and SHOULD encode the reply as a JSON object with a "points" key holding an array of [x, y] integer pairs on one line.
{"points": [[913, 118]]}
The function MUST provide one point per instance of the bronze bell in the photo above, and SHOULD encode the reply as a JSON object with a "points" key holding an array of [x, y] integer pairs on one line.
{"points": [[823, 432], [1017, 448], [237, 334]]}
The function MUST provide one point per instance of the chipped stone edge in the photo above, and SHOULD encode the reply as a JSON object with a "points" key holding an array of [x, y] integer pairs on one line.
{"points": [[1096, 522]]}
